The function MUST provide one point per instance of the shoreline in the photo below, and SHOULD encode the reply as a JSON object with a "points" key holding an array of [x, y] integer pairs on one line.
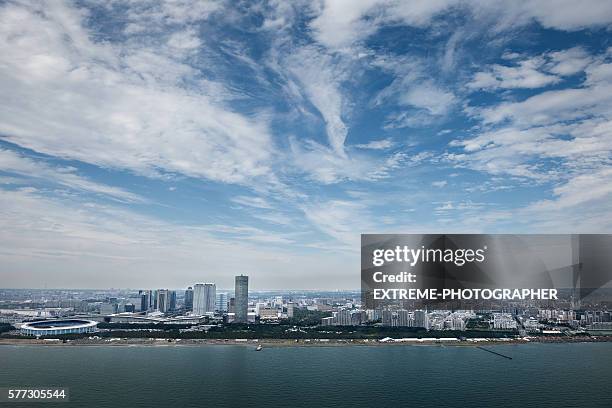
{"points": [[150, 342]]}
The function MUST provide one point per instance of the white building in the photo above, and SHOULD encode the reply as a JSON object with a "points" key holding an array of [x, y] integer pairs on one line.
{"points": [[398, 318], [204, 298], [421, 319], [504, 321], [163, 300]]}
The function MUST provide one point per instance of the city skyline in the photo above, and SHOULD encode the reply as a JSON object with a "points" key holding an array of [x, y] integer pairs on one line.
{"points": [[164, 142]]}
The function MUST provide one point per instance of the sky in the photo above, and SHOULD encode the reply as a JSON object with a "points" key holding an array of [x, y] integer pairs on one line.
{"points": [[150, 144]]}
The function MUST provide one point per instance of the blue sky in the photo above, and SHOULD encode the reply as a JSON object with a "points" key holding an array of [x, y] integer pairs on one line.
{"points": [[149, 144]]}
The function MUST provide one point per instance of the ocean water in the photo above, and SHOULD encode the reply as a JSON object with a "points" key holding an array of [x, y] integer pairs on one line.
{"points": [[539, 375]]}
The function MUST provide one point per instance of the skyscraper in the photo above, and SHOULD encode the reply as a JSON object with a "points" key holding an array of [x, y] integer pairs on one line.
{"points": [[204, 298], [242, 299], [421, 319], [145, 300], [222, 302], [163, 300], [189, 299], [172, 300]]}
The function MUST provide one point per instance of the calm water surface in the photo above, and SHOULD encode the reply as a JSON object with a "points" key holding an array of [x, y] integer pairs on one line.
{"points": [[539, 375]]}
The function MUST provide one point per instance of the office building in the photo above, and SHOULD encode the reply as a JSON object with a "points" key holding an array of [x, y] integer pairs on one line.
{"points": [[146, 300], [163, 300], [172, 305], [189, 299], [290, 310], [421, 319], [222, 302], [204, 298], [242, 298]]}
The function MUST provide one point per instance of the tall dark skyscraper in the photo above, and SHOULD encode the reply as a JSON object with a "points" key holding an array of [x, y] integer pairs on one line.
{"points": [[189, 299], [242, 299], [172, 300], [146, 300]]}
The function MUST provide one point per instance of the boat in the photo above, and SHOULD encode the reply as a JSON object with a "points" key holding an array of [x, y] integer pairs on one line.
{"points": [[258, 347]]}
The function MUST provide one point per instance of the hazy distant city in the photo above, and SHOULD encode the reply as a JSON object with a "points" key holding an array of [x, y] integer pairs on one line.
{"points": [[204, 311]]}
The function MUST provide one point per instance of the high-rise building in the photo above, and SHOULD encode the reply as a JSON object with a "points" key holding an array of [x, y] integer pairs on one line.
{"points": [[204, 298], [343, 318], [135, 300], [172, 300], [189, 299], [242, 299], [163, 300], [222, 302], [154, 299], [144, 300], [421, 319], [290, 309], [149, 301], [399, 318]]}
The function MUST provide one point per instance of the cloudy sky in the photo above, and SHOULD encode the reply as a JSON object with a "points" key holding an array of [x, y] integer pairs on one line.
{"points": [[155, 145]]}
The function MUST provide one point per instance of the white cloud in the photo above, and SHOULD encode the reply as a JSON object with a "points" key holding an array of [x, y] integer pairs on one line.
{"points": [[439, 184], [569, 62], [420, 100], [325, 166], [561, 136], [321, 76], [184, 40], [150, 15], [526, 75], [562, 14], [381, 144], [256, 202], [117, 105], [429, 97], [340, 24], [583, 189], [533, 72], [67, 244], [15, 163], [342, 220], [581, 204]]}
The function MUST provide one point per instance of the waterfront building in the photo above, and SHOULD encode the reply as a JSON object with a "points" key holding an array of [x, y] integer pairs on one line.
{"points": [[204, 298], [221, 302], [421, 319], [146, 300], [172, 300], [290, 310], [58, 327], [398, 318], [189, 299], [163, 300], [242, 298]]}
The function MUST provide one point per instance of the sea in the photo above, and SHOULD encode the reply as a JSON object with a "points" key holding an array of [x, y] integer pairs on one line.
{"points": [[537, 375]]}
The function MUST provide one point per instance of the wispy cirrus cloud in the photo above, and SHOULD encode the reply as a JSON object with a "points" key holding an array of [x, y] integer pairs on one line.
{"points": [[159, 135], [14, 163], [119, 104], [257, 202]]}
